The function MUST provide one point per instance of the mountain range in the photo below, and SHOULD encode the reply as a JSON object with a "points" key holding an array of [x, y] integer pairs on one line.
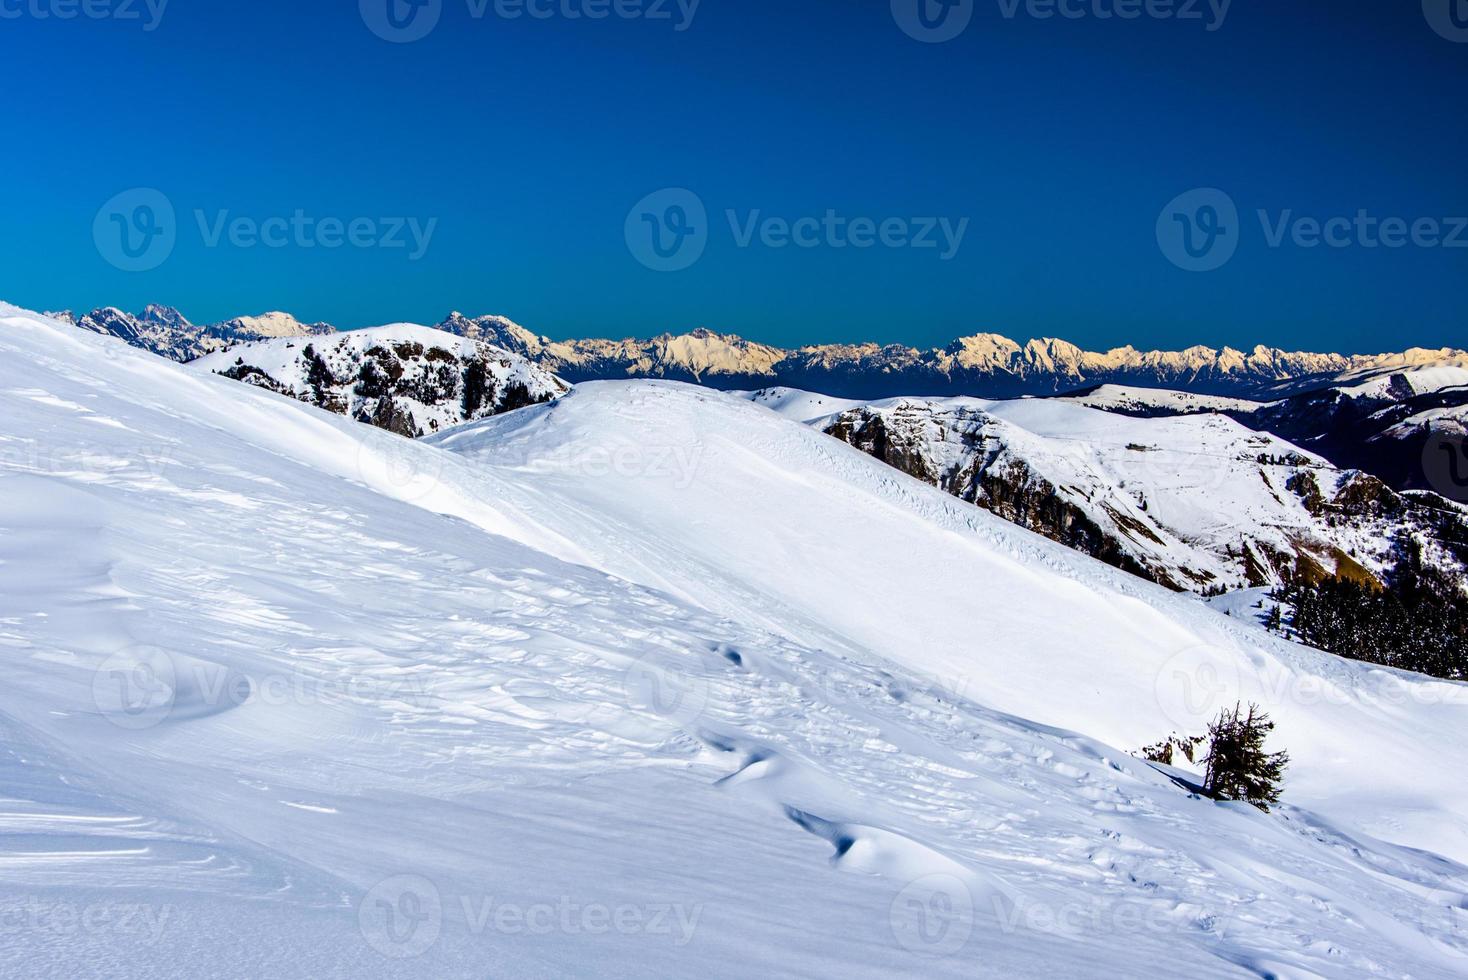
{"points": [[165, 331], [983, 365], [1402, 417]]}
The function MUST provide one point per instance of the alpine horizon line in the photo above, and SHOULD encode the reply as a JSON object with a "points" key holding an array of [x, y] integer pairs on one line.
{"points": [[982, 364]]}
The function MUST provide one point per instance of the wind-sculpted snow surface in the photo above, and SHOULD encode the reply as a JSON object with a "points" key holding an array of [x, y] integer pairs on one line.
{"points": [[589, 690]]}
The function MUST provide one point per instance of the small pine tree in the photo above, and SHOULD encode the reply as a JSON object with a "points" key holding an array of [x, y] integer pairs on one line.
{"points": [[1275, 622], [1238, 768]]}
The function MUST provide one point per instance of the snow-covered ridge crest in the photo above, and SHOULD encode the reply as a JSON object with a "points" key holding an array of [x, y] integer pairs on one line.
{"points": [[1195, 500]]}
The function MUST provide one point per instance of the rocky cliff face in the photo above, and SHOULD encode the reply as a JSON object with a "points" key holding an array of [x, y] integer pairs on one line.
{"points": [[406, 379]]}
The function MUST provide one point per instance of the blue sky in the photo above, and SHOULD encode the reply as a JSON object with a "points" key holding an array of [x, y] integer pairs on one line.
{"points": [[526, 144]]}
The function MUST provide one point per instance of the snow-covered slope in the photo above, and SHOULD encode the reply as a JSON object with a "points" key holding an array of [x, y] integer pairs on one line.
{"points": [[1156, 401], [1195, 502], [802, 406], [402, 377], [286, 695]]}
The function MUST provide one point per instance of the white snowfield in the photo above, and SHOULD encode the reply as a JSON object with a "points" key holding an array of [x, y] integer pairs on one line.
{"points": [[646, 682]]}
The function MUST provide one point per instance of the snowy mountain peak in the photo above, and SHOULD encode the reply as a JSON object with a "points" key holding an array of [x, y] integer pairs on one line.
{"points": [[273, 324], [164, 316], [409, 379]]}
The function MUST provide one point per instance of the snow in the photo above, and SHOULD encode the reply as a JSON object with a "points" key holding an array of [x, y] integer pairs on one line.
{"points": [[1122, 398], [802, 406], [1199, 500], [432, 402], [647, 681], [1388, 383]]}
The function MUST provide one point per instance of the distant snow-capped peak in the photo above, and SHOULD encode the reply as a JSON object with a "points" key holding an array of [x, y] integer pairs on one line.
{"points": [[274, 324]]}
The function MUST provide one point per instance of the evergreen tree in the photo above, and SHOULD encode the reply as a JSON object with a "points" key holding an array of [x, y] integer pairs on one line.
{"points": [[318, 375], [1238, 768], [476, 388], [1275, 622]]}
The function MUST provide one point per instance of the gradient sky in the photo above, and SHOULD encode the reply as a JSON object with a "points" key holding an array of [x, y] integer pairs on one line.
{"points": [[1061, 141]]}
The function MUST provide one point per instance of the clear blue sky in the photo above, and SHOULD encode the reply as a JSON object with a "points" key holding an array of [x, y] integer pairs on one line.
{"points": [[529, 141]]}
